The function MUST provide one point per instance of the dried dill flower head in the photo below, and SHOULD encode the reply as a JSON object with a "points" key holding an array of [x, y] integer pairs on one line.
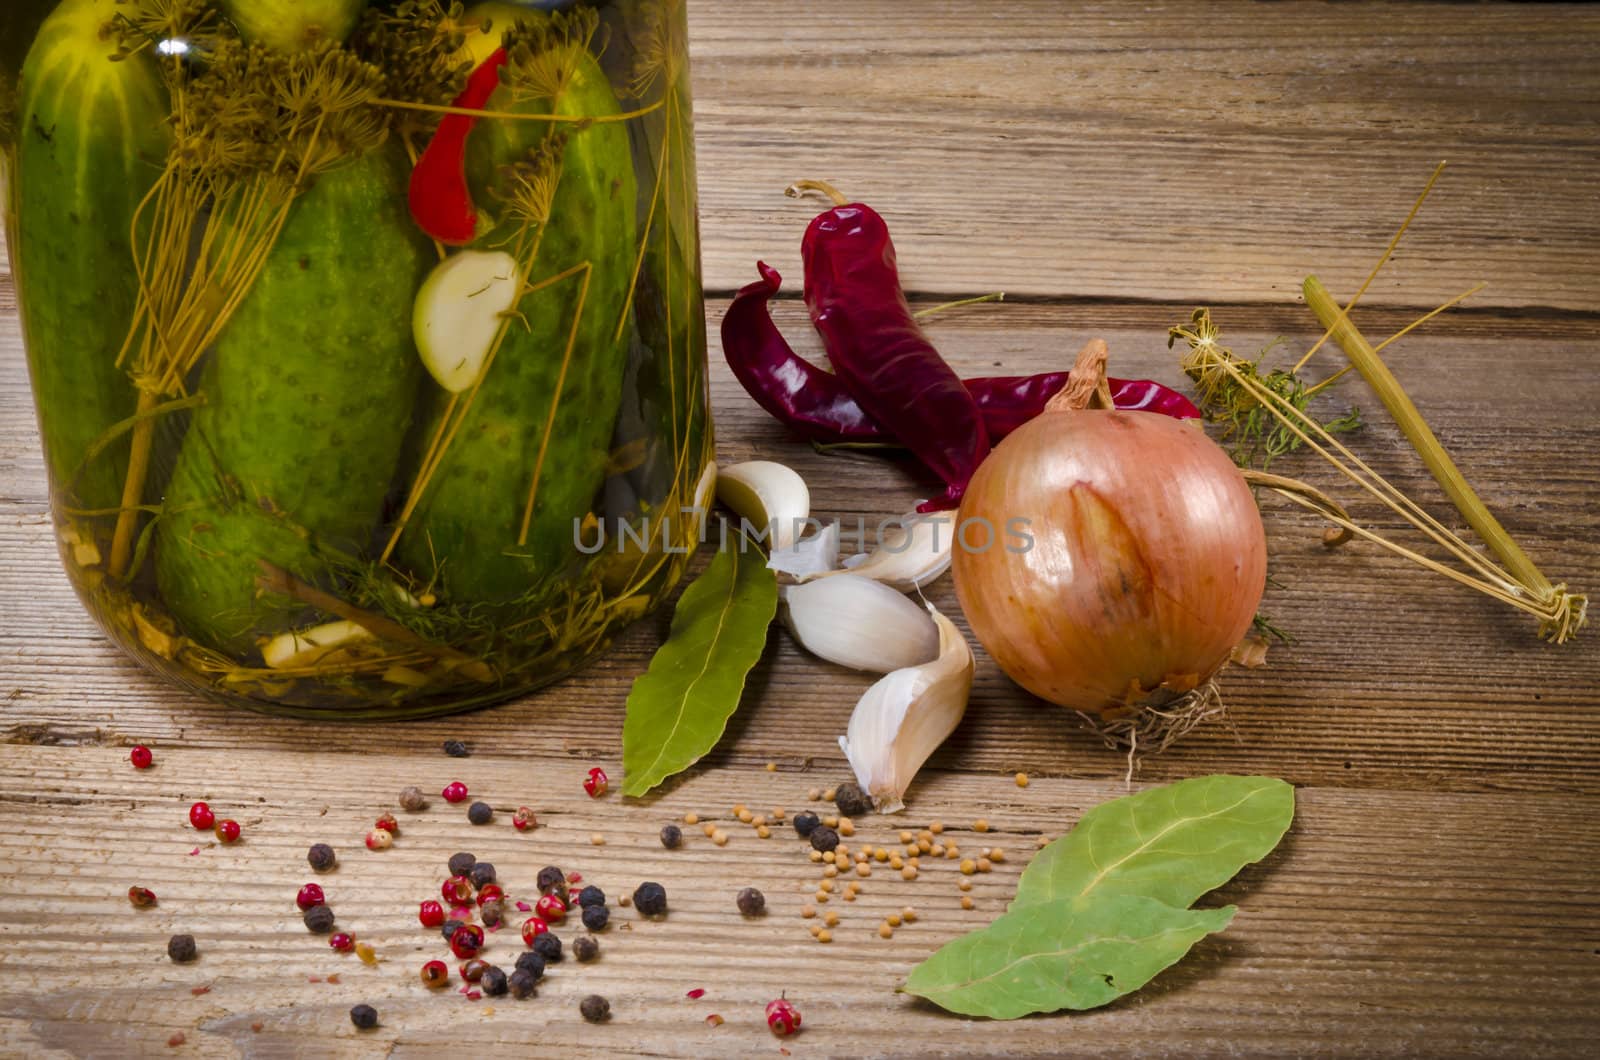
{"points": [[541, 57], [419, 43], [142, 24], [660, 46]]}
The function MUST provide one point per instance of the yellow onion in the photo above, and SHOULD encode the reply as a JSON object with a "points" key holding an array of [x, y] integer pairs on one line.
{"points": [[1127, 558]]}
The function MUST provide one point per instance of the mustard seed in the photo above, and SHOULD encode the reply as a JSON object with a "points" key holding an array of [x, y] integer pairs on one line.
{"points": [[908, 914], [968, 867], [829, 871], [893, 919], [816, 929], [967, 902], [831, 918], [596, 839], [964, 885], [764, 832], [779, 813], [808, 911], [828, 794], [745, 816], [984, 865], [709, 829], [1022, 780], [720, 838], [814, 794], [909, 872], [997, 855], [863, 870], [816, 855], [907, 837], [936, 827], [885, 931], [772, 767], [980, 825], [691, 818]]}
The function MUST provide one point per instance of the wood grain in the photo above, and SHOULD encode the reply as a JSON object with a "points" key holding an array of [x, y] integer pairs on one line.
{"points": [[1111, 168]]}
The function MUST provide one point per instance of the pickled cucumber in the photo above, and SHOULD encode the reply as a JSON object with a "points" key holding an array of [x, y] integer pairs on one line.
{"points": [[468, 527], [309, 393], [290, 25], [92, 140]]}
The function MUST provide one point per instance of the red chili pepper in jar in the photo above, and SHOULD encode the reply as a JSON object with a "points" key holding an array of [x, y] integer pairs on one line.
{"points": [[441, 202], [877, 348], [815, 404]]}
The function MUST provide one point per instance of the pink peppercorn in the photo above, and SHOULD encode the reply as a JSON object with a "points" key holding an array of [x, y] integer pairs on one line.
{"points": [[310, 895], [141, 757], [455, 791]]}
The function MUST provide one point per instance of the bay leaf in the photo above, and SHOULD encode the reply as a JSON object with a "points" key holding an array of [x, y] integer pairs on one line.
{"points": [[1172, 843], [1068, 953], [679, 707]]}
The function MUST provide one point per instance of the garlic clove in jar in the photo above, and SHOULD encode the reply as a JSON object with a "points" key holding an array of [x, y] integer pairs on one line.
{"points": [[770, 496], [810, 557], [904, 718], [912, 553], [304, 647], [458, 313], [860, 623]]}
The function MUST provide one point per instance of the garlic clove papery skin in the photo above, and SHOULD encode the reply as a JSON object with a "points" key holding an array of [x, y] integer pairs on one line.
{"points": [[810, 557], [860, 623], [911, 554], [770, 496], [900, 721]]}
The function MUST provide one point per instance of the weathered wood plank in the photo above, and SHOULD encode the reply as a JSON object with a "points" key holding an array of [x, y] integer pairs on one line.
{"points": [[1362, 932]]}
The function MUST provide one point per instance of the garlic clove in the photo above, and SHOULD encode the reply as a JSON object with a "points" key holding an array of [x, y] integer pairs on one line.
{"points": [[304, 647], [458, 313], [903, 719], [910, 554], [810, 557], [771, 497], [860, 623]]}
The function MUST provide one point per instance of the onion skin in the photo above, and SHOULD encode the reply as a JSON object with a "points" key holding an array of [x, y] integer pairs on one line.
{"points": [[1147, 565]]}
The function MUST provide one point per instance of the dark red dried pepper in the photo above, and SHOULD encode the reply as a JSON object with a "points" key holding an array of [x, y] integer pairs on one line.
{"points": [[815, 404], [441, 202], [877, 348]]}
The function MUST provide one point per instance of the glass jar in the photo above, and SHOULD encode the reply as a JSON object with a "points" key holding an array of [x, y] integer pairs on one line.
{"points": [[355, 403]]}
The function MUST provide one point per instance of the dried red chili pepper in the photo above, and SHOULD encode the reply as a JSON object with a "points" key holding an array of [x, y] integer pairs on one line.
{"points": [[815, 404], [877, 349], [441, 202]]}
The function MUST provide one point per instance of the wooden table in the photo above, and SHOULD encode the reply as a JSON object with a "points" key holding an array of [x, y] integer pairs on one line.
{"points": [[1109, 167]]}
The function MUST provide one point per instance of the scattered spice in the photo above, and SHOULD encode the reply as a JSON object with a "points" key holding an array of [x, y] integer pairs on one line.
{"points": [[227, 830], [596, 839], [764, 832], [492, 913], [531, 963], [141, 757], [586, 947], [885, 931], [379, 839], [851, 800], [319, 919], [448, 928], [412, 799], [551, 879], [596, 917], [522, 983], [387, 822], [310, 895], [141, 897], [964, 885], [480, 813], [997, 855], [524, 820], [181, 948], [201, 817], [672, 836], [461, 863], [980, 825], [596, 783], [691, 818], [595, 1008], [176, 1040], [909, 915], [751, 902], [709, 829], [552, 907], [532, 928], [719, 837], [984, 865], [456, 749], [824, 838], [966, 901], [342, 942], [548, 946], [772, 767], [466, 941], [714, 1020], [828, 794], [321, 857], [909, 872], [365, 1017], [650, 899], [481, 873], [591, 895], [494, 981], [814, 794], [1022, 780], [367, 954], [472, 971], [968, 866], [830, 919], [696, 994], [745, 816], [454, 792], [435, 974]]}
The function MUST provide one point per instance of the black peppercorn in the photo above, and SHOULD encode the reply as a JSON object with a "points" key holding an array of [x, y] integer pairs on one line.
{"points": [[492, 912], [804, 822], [319, 919], [482, 874], [494, 982], [412, 799], [591, 895], [751, 902], [671, 836], [522, 983], [531, 963], [448, 928], [596, 917], [181, 948], [548, 946], [595, 1008], [462, 863], [480, 813], [321, 856], [364, 1017], [456, 749], [586, 948], [824, 838], [650, 899], [552, 879], [851, 800]]}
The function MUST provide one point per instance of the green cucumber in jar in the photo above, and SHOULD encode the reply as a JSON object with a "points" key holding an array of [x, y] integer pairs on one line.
{"points": [[293, 25], [472, 529], [91, 141], [309, 392]]}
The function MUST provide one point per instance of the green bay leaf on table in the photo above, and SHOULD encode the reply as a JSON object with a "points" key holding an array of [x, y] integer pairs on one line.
{"points": [[1069, 953], [679, 707], [1172, 843]]}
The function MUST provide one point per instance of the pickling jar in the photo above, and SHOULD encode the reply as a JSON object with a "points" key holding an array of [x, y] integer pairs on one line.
{"points": [[366, 340]]}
